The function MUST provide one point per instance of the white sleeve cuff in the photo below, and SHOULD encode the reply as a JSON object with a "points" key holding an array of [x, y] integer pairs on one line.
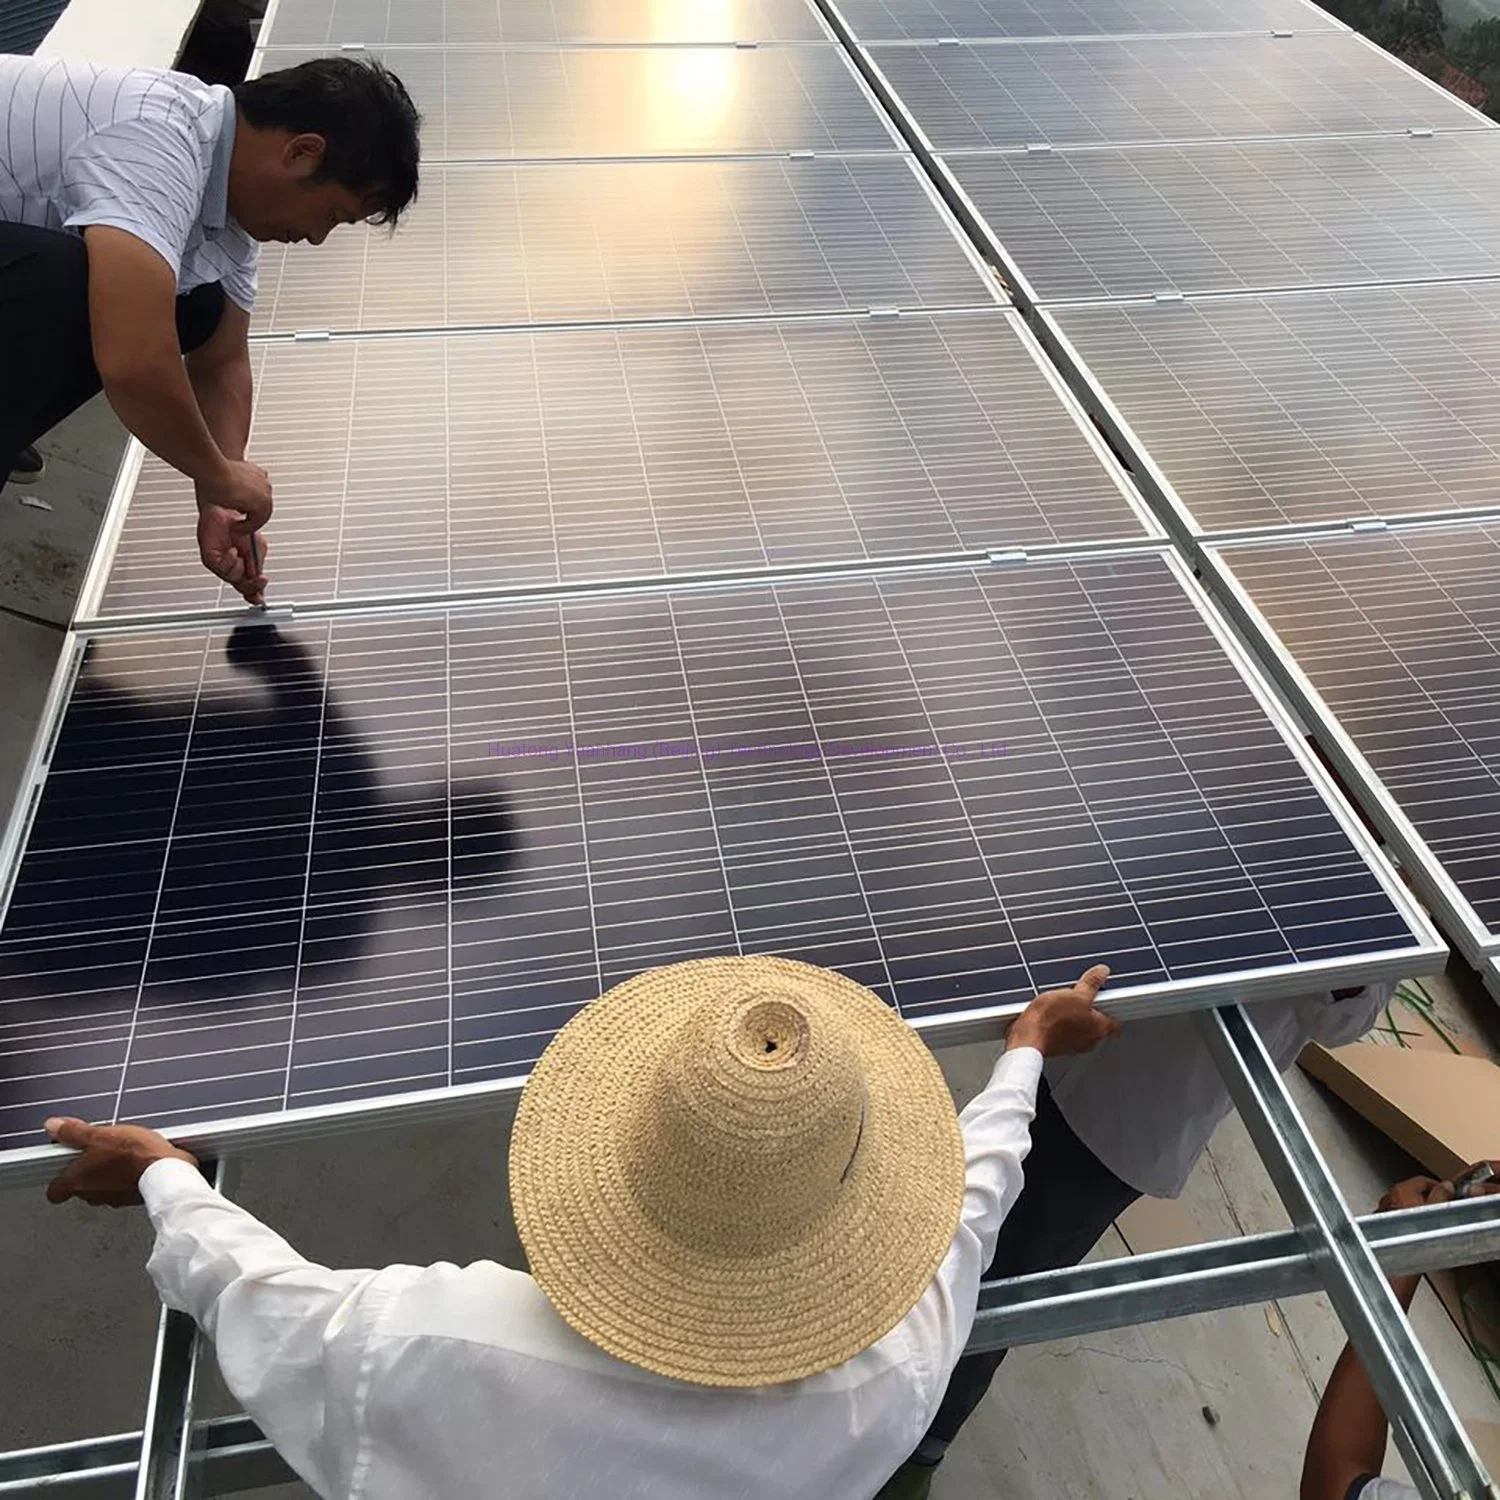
{"points": [[171, 1180], [1020, 1067]]}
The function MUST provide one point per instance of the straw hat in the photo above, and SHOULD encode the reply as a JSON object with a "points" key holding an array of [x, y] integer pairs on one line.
{"points": [[736, 1171]]}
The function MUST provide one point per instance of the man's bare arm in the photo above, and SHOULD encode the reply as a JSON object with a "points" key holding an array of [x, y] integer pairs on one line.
{"points": [[220, 375], [133, 325]]}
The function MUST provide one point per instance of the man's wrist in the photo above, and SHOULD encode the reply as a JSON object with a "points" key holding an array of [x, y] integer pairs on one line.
{"points": [[1027, 1032], [214, 478]]}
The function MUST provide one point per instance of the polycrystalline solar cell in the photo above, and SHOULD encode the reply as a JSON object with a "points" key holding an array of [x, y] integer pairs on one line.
{"points": [[1258, 216], [614, 102], [1317, 407], [1162, 89], [347, 858], [429, 465], [620, 241], [1400, 634], [542, 22], [927, 20]]}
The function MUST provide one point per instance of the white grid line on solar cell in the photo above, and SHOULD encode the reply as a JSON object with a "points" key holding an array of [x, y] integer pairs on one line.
{"points": [[620, 242], [1116, 780], [455, 23], [932, 20], [422, 465], [1192, 88], [630, 102], [1311, 407], [1399, 633], [1144, 220]]}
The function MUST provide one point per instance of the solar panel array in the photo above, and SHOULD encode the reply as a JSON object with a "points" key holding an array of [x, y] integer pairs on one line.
{"points": [[1314, 409], [356, 856], [591, 455], [1269, 262], [1265, 215], [923, 20], [333, 24], [1399, 632], [481, 104], [668, 310], [1118, 92], [608, 242]]}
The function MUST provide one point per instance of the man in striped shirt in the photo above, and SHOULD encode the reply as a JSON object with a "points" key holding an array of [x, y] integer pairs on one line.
{"points": [[131, 207]]}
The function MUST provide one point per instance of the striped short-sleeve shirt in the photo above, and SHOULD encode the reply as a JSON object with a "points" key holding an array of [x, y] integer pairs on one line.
{"points": [[139, 150]]}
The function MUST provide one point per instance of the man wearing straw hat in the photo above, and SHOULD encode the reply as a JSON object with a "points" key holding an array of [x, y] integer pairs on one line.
{"points": [[756, 1230]]}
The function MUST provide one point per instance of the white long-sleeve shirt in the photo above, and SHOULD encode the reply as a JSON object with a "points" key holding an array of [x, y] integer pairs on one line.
{"points": [[449, 1383], [1146, 1101]]}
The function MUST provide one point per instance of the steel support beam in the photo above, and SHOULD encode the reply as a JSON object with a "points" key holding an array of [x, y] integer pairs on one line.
{"points": [[167, 1442], [231, 1455], [1224, 1273], [1437, 1450], [230, 1452]]}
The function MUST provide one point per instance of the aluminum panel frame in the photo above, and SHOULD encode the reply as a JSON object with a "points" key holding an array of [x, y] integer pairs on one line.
{"points": [[1051, 324], [1475, 940], [228, 1136]]}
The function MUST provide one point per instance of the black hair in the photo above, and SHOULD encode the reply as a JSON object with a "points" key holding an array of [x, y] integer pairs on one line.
{"points": [[363, 112]]}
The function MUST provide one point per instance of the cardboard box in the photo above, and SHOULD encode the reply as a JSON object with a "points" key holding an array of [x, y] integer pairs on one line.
{"points": [[1441, 1107]]}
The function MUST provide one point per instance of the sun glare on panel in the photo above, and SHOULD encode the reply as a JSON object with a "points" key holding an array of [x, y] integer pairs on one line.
{"points": [[692, 20], [689, 94]]}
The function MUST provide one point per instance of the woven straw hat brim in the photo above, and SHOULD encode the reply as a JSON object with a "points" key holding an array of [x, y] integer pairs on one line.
{"points": [[629, 1287]]}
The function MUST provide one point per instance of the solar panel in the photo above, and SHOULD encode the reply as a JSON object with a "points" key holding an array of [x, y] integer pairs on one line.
{"points": [[1313, 407], [1163, 89], [535, 459], [1399, 632], [600, 242], [545, 22], [344, 858], [618, 102], [1258, 216], [928, 20]]}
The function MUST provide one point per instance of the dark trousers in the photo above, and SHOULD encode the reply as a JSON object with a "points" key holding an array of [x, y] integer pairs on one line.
{"points": [[1069, 1200], [47, 369]]}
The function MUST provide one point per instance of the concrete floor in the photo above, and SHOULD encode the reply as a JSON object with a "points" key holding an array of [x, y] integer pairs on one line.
{"points": [[1111, 1417]]}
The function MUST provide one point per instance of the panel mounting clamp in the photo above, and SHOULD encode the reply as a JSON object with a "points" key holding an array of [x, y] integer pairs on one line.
{"points": [[1282, 31], [1369, 523], [1014, 554], [1422, 132], [352, 47], [747, 45], [1035, 147], [884, 312], [950, 41], [1170, 295], [801, 155], [311, 336]]}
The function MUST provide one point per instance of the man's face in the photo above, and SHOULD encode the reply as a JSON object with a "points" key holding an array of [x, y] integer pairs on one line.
{"points": [[291, 204]]}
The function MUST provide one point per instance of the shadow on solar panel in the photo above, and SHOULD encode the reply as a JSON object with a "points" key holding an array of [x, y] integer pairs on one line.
{"points": [[248, 904]]}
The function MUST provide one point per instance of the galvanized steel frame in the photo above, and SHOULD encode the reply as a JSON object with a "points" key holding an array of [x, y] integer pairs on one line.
{"points": [[176, 1456]]}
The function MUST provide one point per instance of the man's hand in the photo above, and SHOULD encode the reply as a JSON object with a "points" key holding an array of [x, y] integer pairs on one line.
{"points": [[230, 512], [1065, 1021], [1413, 1193], [108, 1172]]}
